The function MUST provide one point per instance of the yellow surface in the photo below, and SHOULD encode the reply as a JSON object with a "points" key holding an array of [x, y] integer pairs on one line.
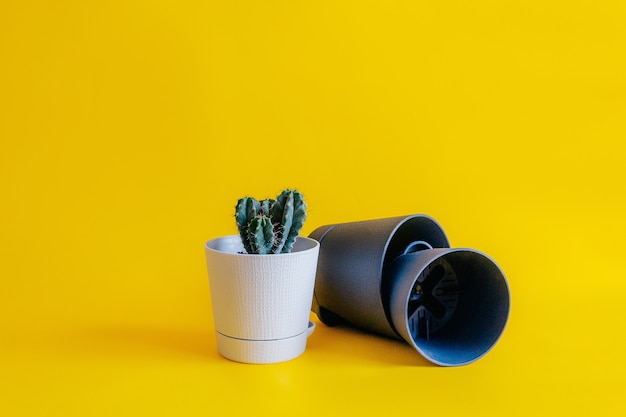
{"points": [[128, 130]]}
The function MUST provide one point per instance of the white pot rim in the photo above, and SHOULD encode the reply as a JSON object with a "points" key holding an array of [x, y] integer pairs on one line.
{"points": [[231, 245]]}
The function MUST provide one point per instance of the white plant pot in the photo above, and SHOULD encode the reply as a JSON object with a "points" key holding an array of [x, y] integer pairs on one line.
{"points": [[261, 303]]}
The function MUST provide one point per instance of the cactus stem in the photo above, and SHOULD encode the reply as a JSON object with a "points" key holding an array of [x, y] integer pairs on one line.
{"points": [[270, 226]]}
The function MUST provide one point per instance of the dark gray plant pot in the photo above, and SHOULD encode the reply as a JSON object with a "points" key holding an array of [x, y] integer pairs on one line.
{"points": [[399, 278]]}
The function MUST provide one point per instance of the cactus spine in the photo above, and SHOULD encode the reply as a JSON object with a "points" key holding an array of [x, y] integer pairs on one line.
{"points": [[270, 226]]}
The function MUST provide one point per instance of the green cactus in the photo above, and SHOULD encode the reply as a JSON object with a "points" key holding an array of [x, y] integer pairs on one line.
{"points": [[288, 215], [247, 209], [266, 206], [270, 226], [261, 235]]}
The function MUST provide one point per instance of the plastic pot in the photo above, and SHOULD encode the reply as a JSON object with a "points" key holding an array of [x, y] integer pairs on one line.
{"points": [[261, 303], [399, 278]]}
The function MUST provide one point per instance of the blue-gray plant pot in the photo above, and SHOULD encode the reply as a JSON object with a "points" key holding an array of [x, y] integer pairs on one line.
{"points": [[398, 277]]}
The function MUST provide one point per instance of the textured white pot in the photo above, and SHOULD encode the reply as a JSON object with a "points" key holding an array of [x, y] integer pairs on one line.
{"points": [[261, 303]]}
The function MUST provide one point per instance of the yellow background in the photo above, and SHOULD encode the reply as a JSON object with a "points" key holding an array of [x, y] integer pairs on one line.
{"points": [[128, 129]]}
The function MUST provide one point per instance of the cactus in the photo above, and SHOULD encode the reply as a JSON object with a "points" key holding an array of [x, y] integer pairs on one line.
{"points": [[289, 212], [247, 209], [261, 235], [270, 226], [266, 206]]}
